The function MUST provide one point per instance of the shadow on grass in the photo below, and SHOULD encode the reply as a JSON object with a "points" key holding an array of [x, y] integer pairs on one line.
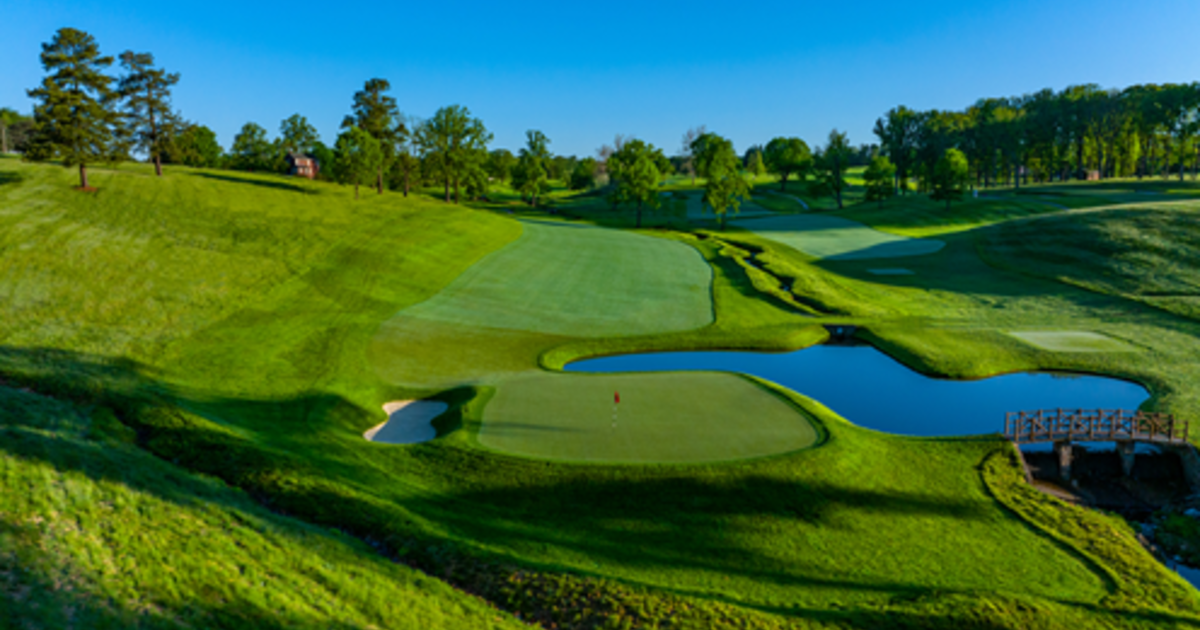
{"points": [[654, 518], [10, 177], [236, 179]]}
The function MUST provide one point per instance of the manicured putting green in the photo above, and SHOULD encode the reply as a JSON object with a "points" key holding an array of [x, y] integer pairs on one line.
{"points": [[835, 238], [579, 281], [1071, 341], [662, 418]]}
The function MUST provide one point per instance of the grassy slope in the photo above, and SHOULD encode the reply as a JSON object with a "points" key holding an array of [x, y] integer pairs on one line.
{"points": [[95, 532], [1146, 253], [101, 532], [270, 391]]}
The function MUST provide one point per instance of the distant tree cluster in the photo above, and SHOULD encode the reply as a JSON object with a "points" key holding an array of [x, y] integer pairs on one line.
{"points": [[1080, 132]]}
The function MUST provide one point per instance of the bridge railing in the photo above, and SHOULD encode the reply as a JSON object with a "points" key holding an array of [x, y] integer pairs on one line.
{"points": [[1096, 425]]}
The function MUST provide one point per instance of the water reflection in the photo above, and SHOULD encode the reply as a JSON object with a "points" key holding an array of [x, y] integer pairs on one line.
{"points": [[873, 390]]}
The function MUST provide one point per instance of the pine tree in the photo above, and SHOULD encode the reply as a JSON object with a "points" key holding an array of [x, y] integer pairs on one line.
{"points": [[377, 114], [73, 120], [145, 94]]}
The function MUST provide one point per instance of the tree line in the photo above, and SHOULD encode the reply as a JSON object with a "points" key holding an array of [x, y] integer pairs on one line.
{"points": [[1081, 132], [84, 115]]}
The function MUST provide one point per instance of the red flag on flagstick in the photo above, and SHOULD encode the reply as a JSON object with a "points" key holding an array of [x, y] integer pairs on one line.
{"points": [[616, 398]]}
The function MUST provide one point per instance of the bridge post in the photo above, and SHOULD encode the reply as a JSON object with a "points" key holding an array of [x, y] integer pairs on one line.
{"points": [[1125, 448], [1062, 448]]}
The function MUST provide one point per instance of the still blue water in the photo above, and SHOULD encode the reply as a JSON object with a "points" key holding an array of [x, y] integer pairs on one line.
{"points": [[873, 390]]}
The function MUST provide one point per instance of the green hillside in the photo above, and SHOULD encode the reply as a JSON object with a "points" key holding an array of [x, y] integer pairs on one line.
{"points": [[203, 352]]}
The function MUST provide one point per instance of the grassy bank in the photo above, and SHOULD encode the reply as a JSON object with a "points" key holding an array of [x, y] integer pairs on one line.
{"points": [[246, 327]]}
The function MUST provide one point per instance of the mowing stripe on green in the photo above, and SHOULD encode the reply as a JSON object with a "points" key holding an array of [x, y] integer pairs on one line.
{"points": [[835, 238], [579, 281], [1071, 341], [662, 418]]}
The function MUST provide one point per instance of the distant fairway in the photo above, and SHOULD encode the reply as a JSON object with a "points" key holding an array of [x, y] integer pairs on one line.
{"points": [[835, 238], [579, 281], [667, 418]]}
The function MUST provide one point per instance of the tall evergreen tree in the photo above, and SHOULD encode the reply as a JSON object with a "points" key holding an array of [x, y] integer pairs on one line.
{"points": [[377, 114], [145, 93], [74, 119]]}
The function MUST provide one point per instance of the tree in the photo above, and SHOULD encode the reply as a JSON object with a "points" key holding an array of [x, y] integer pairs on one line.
{"points": [[145, 93], [377, 114], [786, 157], [689, 158], [584, 174], [325, 158], [879, 178], [831, 167], [251, 150], [718, 163], [73, 120], [530, 177], [754, 162], [951, 177], [635, 167], [453, 145], [297, 136], [357, 156], [897, 139], [194, 145], [500, 164], [407, 168], [9, 118]]}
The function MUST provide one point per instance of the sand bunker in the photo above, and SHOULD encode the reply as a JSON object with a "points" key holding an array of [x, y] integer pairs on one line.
{"points": [[408, 422]]}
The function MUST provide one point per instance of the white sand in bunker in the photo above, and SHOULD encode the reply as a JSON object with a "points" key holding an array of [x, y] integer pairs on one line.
{"points": [[408, 422]]}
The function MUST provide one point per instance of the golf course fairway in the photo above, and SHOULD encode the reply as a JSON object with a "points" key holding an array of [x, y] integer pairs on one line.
{"points": [[580, 281], [191, 362], [661, 418], [835, 238]]}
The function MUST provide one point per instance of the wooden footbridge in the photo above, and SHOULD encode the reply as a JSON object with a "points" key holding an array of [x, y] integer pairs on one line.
{"points": [[1126, 428], [1093, 425]]}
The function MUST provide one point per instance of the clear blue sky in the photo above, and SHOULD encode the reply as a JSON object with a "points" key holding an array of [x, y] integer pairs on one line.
{"points": [[582, 72]]}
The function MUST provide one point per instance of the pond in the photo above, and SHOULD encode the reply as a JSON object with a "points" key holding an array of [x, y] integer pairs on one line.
{"points": [[872, 390]]}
